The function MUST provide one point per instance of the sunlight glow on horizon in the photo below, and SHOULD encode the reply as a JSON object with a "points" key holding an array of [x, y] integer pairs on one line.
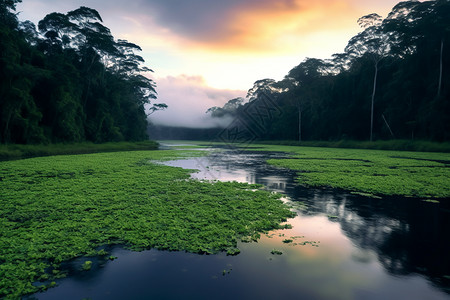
{"points": [[258, 40], [229, 45]]}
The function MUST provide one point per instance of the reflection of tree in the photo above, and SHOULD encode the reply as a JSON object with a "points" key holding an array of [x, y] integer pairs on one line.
{"points": [[409, 235]]}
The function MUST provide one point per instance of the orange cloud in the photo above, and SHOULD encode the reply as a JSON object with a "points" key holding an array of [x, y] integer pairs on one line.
{"points": [[274, 25]]}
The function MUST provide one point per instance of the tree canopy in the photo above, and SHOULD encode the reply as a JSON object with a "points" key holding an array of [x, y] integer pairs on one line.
{"points": [[70, 80], [392, 80]]}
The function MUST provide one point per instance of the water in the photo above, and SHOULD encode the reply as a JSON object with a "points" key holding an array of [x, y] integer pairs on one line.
{"points": [[348, 247]]}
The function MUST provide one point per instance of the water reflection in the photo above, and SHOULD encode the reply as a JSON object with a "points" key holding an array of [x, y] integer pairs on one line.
{"points": [[343, 246], [407, 236]]}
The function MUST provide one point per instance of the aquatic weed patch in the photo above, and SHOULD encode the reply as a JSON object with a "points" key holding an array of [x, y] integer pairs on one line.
{"points": [[375, 172], [55, 209]]}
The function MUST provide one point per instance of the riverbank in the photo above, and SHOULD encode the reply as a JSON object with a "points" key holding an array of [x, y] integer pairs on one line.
{"points": [[397, 145], [17, 151]]}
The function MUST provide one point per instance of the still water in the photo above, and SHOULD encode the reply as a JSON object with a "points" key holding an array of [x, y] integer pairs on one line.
{"points": [[344, 246]]}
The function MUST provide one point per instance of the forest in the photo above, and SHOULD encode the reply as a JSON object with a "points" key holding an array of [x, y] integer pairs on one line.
{"points": [[70, 80], [391, 82]]}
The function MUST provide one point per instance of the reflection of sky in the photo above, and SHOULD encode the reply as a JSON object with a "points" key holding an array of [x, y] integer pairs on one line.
{"points": [[340, 267], [207, 171]]}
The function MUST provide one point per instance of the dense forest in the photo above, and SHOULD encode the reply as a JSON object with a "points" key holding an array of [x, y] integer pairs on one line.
{"points": [[69, 80], [392, 81]]}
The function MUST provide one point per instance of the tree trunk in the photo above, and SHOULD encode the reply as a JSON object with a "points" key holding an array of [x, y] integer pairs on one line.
{"points": [[440, 69], [389, 127], [299, 124], [373, 99]]}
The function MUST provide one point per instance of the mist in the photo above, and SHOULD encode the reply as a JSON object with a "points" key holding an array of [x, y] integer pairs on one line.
{"points": [[188, 98]]}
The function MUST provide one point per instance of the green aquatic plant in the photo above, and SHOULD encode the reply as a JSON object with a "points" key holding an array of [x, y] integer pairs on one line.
{"points": [[369, 173], [432, 201], [233, 251], [48, 217], [276, 252], [87, 265]]}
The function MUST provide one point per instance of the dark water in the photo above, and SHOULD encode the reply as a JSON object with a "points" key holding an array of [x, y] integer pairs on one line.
{"points": [[348, 247]]}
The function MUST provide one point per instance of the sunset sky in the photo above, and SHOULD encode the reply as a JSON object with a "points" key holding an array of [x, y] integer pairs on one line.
{"points": [[206, 52]]}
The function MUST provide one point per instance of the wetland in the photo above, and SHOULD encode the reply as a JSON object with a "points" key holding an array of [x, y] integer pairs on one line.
{"points": [[340, 244]]}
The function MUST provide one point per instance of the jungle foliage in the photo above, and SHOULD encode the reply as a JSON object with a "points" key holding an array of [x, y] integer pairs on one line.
{"points": [[391, 82], [55, 209], [69, 80]]}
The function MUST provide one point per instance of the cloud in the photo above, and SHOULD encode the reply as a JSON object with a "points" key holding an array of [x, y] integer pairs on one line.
{"points": [[188, 98], [222, 26], [248, 25]]}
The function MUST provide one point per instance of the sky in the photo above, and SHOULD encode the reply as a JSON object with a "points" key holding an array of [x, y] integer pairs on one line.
{"points": [[206, 52]]}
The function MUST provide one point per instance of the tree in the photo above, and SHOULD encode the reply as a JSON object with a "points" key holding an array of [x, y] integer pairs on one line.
{"points": [[302, 81], [260, 88], [72, 81], [229, 109], [373, 43], [7, 17]]}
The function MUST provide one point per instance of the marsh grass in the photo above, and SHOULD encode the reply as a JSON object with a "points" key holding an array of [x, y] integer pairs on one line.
{"points": [[369, 172], [58, 208]]}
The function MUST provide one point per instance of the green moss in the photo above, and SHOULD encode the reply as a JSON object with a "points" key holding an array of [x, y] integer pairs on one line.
{"points": [[58, 208], [371, 172]]}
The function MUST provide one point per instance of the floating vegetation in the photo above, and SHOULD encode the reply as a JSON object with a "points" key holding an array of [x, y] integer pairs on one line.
{"points": [[431, 201], [246, 239], [276, 252], [312, 243], [297, 205], [370, 173], [121, 198], [366, 195], [225, 271], [87, 265], [292, 241], [285, 226], [233, 251]]}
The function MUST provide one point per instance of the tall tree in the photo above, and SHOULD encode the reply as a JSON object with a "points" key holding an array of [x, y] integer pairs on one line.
{"points": [[373, 43]]}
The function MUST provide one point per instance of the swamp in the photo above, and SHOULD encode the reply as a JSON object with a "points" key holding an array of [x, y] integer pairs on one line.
{"points": [[195, 221]]}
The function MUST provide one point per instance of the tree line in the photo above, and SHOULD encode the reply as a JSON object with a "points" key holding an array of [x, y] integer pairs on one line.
{"points": [[391, 81], [70, 80]]}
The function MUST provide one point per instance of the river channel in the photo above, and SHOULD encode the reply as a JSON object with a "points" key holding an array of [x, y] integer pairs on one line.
{"points": [[343, 246]]}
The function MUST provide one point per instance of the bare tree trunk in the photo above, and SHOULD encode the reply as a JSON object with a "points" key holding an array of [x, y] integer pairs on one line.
{"points": [[299, 124], [440, 69], [6, 133], [373, 99], [389, 127]]}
